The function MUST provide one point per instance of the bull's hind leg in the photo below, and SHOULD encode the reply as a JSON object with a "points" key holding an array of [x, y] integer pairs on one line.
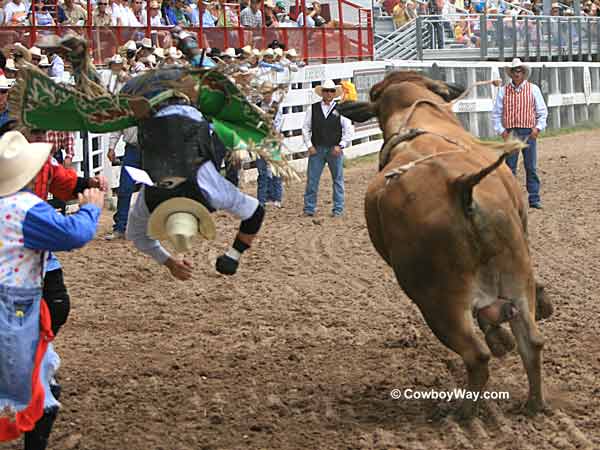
{"points": [[454, 328], [530, 343]]}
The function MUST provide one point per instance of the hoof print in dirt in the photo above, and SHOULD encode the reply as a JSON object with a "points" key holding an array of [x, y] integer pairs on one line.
{"points": [[499, 341]]}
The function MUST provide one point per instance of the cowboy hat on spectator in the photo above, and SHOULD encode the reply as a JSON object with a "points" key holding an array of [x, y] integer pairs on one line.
{"points": [[278, 52], [515, 63], [329, 84], [146, 43], [269, 52], [292, 52], [159, 52], [174, 53], [179, 220], [10, 65], [247, 50], [22, 51], [44, 62], [130, 45], [20, 161], [36, 52], [230, 52], [115, 59], [5, 83]]}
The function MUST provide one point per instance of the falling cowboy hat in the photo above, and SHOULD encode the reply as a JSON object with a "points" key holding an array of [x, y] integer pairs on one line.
{"points": [[20, 161], [515, 64], [329, 85], [179, 220]]}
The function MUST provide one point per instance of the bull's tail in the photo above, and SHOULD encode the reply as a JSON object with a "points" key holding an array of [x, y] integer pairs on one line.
{"points": [[466, 183]]}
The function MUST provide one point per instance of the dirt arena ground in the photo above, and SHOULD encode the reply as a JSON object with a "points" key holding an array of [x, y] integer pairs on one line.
{"points": [[301, 349]]}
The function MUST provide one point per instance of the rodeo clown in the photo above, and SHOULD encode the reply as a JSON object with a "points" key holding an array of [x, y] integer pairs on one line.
{"points": [[29, 229], [178, 154]]}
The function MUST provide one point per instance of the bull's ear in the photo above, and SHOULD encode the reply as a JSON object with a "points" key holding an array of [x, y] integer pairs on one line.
{"points": [[357, 111], [448, 91], [466, 183]]}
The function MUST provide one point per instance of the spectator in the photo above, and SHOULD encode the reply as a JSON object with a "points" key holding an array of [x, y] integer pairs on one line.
{"points": [[269, 187], [251, 17], [227, 16], [119, 13], [115, 77], [210, 14], [5, 119], [270, 16], [182, 14], [101, 17], [42, 15], [326, 133], [410, 11], [399, 15], [173, 57], [74, 13], [311, 9], [134, 16], [15, 13], [520, 110], [57, 66]]}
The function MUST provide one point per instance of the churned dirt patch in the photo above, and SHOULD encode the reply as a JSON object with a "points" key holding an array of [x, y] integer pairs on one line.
{"points": [[301, 349]]}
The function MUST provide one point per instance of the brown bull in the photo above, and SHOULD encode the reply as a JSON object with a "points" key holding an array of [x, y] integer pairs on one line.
{"points": [[450, 219]]}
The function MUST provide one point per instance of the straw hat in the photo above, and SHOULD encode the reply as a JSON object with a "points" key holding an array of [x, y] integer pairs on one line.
{"points": [[22, 50], [230, 52], [269, 4], [5, 83], [146, 43], [278, 51], [20, 161], [115, 59], [130, 45], [154, 4], [159, 52], [44, 62], [329, 84], [516, 62], [36, 51], [268, 52], [555, 5], [10, 65], [292, 52], [174, 53], [179, 220], [247, 50]]}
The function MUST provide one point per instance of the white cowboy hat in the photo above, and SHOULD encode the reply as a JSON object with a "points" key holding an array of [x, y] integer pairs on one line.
{"points": [[159, 52], [130, 45], [278, 51], [247, 49], [516, 62], [329, 84], [174, 53], [44, 62], [230, 52], [268, 52], [5, 83], [555, 5], [10, 65], [20, 161], [292, 52], [256, 52], [115, 59], [179, 219], [36, 51], [146, 43]]}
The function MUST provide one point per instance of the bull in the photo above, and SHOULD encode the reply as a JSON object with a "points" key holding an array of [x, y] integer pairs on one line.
{"points": [[450, 219]]}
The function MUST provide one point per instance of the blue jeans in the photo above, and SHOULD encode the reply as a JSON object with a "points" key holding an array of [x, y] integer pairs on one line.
{"points": [[316, 163], [530, 161], [268, 186], [126, 187]]}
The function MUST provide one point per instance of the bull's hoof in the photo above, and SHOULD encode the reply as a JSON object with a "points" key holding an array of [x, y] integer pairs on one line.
{"points": [[500, 341], [543, 306], [467, 410], [535, 407]]}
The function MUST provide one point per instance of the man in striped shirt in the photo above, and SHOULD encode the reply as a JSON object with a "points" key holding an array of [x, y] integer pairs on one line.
{"points": [[520, 110]]}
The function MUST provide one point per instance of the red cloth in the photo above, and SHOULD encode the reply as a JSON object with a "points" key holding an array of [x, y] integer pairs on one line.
{"points": [[57, 180], [27, 418], [61, 140], [518, 110]]}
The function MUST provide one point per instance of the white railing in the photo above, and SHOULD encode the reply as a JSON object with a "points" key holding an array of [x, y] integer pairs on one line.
{"points": [[572, 92]]}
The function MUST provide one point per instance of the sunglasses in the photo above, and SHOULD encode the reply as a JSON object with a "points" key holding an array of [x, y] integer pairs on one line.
{"points": [[328, 90], [518, 71], [102, 4], [3, 91]]}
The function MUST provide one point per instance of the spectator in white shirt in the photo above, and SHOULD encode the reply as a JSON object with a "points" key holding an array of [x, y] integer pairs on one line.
{"points": [[15, 13]]}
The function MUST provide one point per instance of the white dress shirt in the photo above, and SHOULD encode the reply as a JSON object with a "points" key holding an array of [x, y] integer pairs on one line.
{"points": [[541, 111], [347, 128]]}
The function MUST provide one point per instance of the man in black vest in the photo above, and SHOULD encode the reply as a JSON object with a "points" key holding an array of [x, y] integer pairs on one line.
{"points": [[326, 133]]}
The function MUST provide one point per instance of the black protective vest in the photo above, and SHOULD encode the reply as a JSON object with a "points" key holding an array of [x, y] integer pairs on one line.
{"points": [[173, 147], [325, 132]]}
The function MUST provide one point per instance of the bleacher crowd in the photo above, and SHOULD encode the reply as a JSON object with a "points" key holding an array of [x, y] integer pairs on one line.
{"points": [[168, 13], [459, 19]]}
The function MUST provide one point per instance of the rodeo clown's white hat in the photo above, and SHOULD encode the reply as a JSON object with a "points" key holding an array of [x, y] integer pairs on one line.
{"points": [[179, 220]]}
